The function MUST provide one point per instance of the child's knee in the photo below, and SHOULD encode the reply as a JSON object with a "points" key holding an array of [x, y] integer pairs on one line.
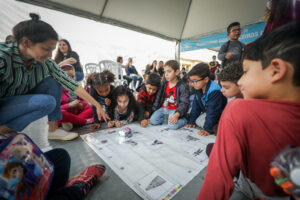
{"points": [[154, 120]]}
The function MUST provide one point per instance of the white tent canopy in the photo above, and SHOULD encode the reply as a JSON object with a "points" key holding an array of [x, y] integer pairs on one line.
{"points": [[168, 19]]}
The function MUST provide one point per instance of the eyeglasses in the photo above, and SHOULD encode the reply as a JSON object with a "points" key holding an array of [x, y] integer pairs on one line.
{"points": [[236, 30], [195, 81]]}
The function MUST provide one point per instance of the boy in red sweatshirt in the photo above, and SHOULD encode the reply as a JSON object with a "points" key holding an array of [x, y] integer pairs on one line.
{"points": [[253, 130]]}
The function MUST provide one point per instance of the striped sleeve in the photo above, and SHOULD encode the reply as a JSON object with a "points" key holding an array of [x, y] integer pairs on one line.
{"points": [[61, 76]]}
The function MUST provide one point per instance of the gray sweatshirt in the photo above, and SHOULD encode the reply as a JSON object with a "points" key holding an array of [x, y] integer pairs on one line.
{"points": [[235, 47]]}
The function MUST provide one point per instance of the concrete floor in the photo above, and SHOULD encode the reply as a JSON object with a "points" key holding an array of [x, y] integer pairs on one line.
{"points": [[110, 187]]}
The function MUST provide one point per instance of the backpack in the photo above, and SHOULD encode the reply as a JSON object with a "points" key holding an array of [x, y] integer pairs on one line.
{"points": [[25, 172]]}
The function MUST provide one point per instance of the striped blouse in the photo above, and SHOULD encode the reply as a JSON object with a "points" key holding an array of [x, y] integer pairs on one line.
{"points": [[16, 79]]}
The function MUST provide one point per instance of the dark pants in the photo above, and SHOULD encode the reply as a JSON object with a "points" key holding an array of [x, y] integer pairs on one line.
{"points": [[128, 79], [61, 161]]}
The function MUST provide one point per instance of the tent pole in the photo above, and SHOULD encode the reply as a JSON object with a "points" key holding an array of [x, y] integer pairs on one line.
{"points": [[177, 51]]}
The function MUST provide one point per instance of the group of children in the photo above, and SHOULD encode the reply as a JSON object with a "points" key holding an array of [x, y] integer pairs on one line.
{"points": [[262, 124], [156, 100]]}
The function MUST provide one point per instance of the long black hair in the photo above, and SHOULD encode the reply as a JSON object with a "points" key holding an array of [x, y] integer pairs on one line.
{"points": [[120, 91]]}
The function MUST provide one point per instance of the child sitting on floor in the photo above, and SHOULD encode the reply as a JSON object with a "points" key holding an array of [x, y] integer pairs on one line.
{"points": [[146, 98], [208, 102], [101, 90], [172, 99], [75, 111], [228, 80], [123, 107]]}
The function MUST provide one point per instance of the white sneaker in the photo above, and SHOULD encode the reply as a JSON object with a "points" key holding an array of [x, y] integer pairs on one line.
{"points": [[60, 134], [67, 126]]}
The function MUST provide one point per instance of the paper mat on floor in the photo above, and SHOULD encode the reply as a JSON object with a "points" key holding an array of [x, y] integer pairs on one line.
{"points": [[155, 162]]}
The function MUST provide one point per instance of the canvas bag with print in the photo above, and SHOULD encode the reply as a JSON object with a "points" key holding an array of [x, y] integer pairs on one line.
{"points": [[25, 172]]}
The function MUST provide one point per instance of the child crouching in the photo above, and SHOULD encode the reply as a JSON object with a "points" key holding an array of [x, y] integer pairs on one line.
{"points": [[146, 98]]}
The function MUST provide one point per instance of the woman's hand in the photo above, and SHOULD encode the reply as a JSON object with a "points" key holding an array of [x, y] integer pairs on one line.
{"points": [[101, 113], [71, 61]]}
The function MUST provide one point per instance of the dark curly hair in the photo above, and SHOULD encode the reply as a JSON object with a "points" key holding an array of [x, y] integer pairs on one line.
{"points": [[99, 79], [232, 72]]}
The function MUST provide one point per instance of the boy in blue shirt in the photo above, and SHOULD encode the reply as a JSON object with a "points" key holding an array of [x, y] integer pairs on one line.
{"points": [[208, 103]]}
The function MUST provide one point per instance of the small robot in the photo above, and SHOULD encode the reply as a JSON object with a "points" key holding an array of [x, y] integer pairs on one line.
{"points": [[126, 132]]}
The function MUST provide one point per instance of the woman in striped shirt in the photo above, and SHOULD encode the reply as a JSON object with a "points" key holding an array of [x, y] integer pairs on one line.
{"points": [[30, 81]]}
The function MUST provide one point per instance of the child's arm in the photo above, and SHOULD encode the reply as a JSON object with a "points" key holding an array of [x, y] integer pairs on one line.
{"points": [[141, 111], [214, 108], [222, 52], [93, 93], [184, 102], [142, 105], [158, 97], [225, 160]]}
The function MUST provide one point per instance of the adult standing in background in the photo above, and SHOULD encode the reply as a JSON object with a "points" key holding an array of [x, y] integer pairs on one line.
{"points": [[233, 49], [30, 81], [65, 55]]}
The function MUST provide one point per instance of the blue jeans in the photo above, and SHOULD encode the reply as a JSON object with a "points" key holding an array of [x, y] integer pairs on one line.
{"points": [[79, 76], [136, 78], [16, 112], [157, 118]]}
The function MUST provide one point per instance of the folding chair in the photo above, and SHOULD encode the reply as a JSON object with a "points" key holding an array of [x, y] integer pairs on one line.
{"points": [[114, 68]]}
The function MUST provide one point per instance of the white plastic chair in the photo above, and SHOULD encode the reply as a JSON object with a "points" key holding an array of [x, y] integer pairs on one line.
{"points": [[114, 68], [91, 68]]}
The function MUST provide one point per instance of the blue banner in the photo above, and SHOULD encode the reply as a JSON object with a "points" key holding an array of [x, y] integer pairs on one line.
{"points": [[249, 34]]}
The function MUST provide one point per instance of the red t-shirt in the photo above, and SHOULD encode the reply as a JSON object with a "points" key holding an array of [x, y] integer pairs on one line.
{"points": [[170, 98], [250, 133]]}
